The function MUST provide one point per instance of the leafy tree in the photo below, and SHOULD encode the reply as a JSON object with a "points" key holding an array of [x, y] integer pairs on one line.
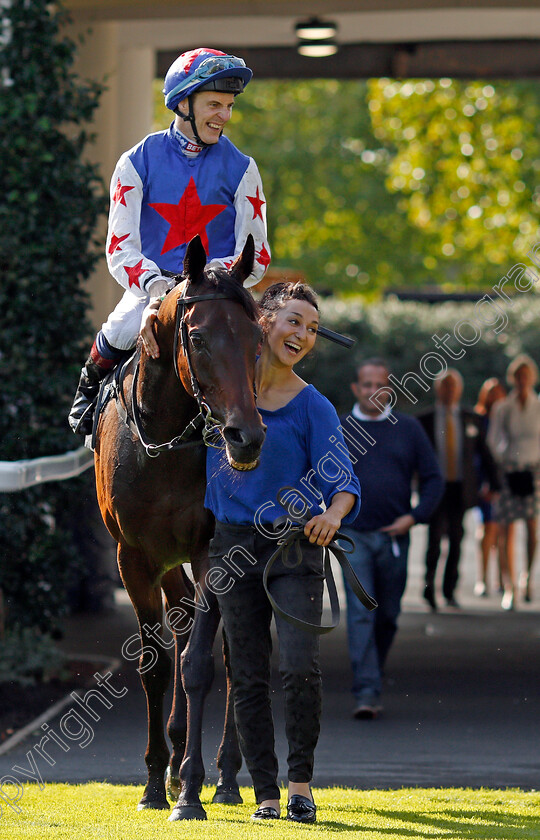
{"points": [[330, 214], [51, 200], [383, 183], [465, 158]]}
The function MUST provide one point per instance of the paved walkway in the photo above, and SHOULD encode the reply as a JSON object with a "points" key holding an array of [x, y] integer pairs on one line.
{"points": [[461, 702]]}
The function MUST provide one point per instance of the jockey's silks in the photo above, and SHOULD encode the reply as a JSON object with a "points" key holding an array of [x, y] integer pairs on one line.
{"points": [[162, 197]]}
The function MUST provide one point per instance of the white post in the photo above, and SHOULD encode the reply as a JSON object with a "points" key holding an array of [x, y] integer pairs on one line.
{"points": [[123, 118], [136, 71]]}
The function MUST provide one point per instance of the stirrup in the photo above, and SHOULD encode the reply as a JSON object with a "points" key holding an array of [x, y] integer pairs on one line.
{"points": [[81, 423]]}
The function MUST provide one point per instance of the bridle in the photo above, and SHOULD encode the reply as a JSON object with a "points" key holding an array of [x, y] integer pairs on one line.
{"points": [[210, 427]]}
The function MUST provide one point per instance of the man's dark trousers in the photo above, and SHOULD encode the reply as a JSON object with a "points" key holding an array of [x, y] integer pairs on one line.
{"points": [[446, 521]]}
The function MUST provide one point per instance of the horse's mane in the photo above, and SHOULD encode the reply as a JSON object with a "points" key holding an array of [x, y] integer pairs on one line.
{"points": [[222, 282]]}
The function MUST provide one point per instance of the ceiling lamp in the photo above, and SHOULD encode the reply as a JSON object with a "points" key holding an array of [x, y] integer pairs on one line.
{"points": [[317, 49], [315, 29], [315, 38]]}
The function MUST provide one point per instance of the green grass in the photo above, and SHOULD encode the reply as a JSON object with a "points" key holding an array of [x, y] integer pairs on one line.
{"points": [[108, 812]]}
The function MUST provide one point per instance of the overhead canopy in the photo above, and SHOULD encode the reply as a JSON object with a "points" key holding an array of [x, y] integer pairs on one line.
{"points": [[403, 38], [132, 41]]}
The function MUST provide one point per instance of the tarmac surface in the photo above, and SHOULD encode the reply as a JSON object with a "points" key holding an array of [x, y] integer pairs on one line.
{"points": [[461, 699]]}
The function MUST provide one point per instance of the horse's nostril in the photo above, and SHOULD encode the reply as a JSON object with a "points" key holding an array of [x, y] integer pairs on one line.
{"points": [[240, 437], [235, 437]]}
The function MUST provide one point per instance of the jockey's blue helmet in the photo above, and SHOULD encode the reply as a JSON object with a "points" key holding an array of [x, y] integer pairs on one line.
{"points": [[204, 69]]}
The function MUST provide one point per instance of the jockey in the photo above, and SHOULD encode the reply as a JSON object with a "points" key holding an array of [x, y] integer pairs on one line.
{"points": [[173, 185]]}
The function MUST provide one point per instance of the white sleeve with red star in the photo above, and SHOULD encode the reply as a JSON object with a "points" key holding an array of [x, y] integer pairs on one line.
{"points": [[250, 206], [126, 262]]}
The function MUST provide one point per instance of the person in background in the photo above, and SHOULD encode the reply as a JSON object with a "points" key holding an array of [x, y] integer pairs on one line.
{"points": [[188, 180], [388, 449], [514, 438], [490, 392], [457, 436]]}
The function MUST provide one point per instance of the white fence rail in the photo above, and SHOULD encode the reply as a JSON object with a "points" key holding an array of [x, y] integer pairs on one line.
{"points": [[18, 475]]}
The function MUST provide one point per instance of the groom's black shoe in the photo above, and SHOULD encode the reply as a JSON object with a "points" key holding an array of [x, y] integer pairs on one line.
{"points": [[301, 809]]}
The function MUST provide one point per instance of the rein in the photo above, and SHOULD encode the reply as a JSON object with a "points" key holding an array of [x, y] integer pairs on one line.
{"points": [[293, 540], [155, 449], [133, 420]]}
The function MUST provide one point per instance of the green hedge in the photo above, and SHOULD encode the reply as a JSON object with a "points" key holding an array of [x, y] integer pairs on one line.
{"points": [[402, 333], [51, 200]]}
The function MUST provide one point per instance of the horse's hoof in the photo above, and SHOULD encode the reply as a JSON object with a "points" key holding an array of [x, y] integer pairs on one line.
{"points": [[172, 786], [227, 796], [187, 812], [155, 804]]}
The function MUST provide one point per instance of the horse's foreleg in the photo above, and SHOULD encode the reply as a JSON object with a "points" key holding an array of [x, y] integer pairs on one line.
{"points": [[197, 676], [154, 669], [177, 586], [229, 757]]}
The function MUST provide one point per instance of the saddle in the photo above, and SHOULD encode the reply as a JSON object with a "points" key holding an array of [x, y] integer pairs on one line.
{"points": [[109, 387]]}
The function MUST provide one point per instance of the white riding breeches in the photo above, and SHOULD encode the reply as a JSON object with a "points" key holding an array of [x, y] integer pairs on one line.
{"points": [[124, 323]]}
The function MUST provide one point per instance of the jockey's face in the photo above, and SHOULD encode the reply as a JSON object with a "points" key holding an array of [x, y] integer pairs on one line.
{"points": [[212, 111], [292, 332]]}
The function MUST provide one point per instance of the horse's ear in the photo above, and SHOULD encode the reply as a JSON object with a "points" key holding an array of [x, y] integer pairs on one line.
{"points": [[243, 264], [195, 259]]}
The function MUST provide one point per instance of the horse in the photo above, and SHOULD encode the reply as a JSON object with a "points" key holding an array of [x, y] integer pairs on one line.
{"points": [[208, 334]]}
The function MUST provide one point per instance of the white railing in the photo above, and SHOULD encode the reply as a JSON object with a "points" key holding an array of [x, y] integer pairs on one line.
{"points": [[17, 475]]}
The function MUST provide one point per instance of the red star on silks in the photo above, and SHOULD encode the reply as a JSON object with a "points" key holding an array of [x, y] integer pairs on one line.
{"points": [[228, 263], [257, 203], [115, 242], [120, 192], [134, 272], [187, 218], [263, 257]]}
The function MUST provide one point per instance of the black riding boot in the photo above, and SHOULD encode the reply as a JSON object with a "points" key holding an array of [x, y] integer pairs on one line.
{"points": [[81, 416]]}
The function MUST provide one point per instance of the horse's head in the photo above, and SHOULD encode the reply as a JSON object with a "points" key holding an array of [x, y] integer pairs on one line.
{"points": [[216, 345]]}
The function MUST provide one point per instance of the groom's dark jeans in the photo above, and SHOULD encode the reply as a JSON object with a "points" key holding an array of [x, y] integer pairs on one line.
{"points": [[241, 553]]}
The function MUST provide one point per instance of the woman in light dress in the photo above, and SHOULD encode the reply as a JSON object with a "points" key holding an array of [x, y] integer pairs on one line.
{"points": [[514, 438]]}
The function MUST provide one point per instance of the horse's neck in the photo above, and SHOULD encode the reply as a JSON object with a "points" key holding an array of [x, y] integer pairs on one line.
{"points": [[163, 402]]}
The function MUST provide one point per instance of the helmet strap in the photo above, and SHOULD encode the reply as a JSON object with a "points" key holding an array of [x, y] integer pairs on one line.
{"points": [[190, 118]]}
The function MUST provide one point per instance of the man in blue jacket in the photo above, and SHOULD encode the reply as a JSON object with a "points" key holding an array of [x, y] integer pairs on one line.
{"points": [[388, 449]]}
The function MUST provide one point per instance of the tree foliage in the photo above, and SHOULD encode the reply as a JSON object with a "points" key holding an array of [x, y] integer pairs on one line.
{"points": [[383, 183], [330, 214], [402, 333], [465, 157], [51, 199]]}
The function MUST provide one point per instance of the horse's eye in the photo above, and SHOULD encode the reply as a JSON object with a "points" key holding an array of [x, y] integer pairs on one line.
{"points": [[197, 340]]}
